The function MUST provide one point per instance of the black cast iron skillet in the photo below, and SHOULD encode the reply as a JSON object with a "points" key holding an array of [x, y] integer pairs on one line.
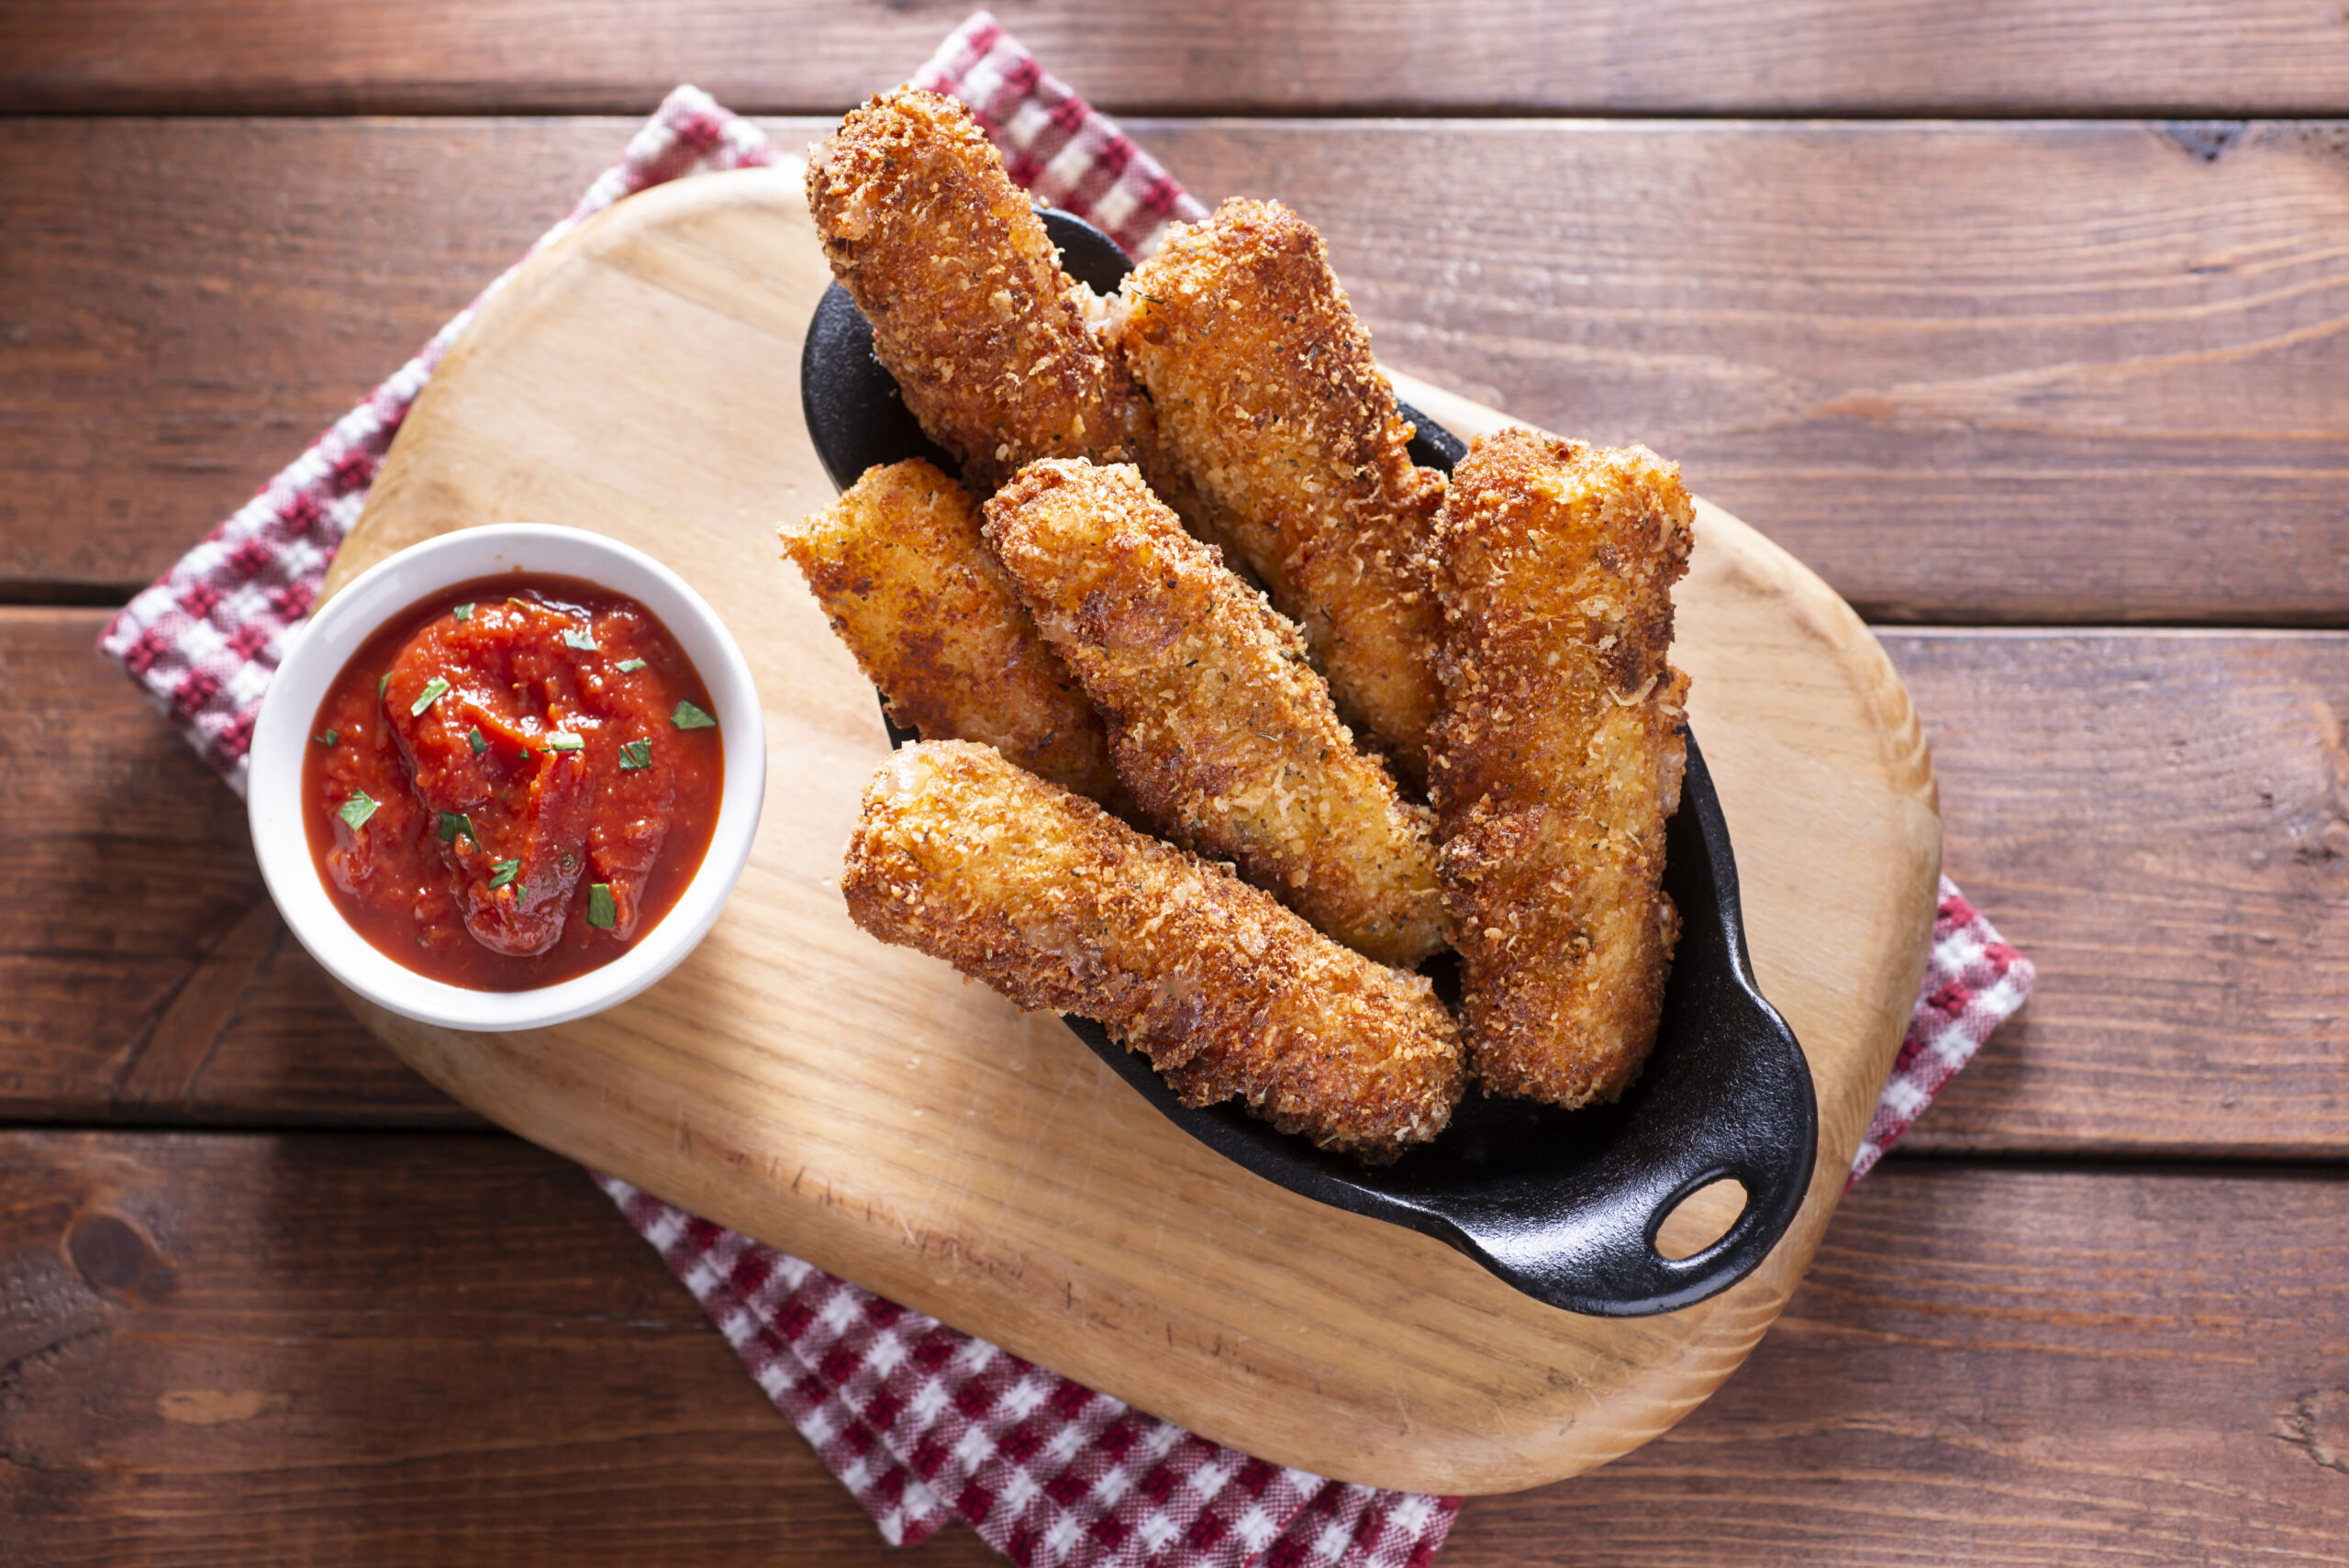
{"points": [[1563, 1205]]}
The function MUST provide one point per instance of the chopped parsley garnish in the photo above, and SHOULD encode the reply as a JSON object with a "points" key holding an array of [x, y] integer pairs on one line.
{"points": [[328, 738], [583, 640], [474, 737], [628, 666], [462, 612], [689, 716], [455, 822], [602, 913], [434, 690], [383, 685], [635, 754], [358, 808], [559, 741], [503, 872]]}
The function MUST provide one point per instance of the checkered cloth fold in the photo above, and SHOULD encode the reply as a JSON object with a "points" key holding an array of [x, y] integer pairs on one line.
{"points": [[920, 1422]]}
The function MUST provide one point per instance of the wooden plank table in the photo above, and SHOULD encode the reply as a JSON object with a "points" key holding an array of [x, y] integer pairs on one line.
{"points": [[2058, 392]]}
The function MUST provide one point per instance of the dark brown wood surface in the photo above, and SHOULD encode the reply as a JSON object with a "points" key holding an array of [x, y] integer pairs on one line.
{"points": [[2063, 388], [451, 1348], [2160, 820], [1958, 369], [2014, 57], [149, 977], [322, 1349]]}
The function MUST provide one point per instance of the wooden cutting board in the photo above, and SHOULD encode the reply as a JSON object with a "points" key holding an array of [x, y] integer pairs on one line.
{"points": [[865, 1108]]}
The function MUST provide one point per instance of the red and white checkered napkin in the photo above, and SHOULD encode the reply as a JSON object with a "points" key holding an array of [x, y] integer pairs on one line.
{"points": [[920, 1422]]}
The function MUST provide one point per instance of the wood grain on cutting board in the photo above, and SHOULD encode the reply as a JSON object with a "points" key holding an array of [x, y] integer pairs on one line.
{"points": [[865, 1108]]}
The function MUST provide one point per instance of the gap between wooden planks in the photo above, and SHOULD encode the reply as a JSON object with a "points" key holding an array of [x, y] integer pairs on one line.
{"points": [[2047, 373], [1811, 57]]}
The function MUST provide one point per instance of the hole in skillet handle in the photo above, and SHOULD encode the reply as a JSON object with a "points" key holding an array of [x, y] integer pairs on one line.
{"points": [[1564, 1206]]}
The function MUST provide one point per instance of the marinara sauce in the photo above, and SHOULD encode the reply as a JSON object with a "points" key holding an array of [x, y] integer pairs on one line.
{"points": [[512, 780]]}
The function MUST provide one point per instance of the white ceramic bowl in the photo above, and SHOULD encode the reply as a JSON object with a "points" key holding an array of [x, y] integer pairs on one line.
{"points": [[282, 735]]}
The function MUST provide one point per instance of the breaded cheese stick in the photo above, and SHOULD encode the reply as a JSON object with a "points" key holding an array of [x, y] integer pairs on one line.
{"points": [[1057, 904], [1269, 404], [970, 308], [1558, 755], [1218, 724], [899, 565]]}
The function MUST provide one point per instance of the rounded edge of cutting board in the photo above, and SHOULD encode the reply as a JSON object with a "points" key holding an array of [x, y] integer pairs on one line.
{"points": [[861, 1107]]}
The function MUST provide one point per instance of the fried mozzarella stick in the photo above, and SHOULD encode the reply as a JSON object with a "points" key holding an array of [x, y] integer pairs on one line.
{"points": [[1057, 904], [1218, 724], [1558, 755], [1268, 403], [970, 308], [899, 565]]}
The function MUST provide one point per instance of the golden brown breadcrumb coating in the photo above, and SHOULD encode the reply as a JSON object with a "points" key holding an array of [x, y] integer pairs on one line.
{"points": [[1270, 406], [899, 565], [1558, 755], [970, 308], [1218, 724], [1056, 903]]}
